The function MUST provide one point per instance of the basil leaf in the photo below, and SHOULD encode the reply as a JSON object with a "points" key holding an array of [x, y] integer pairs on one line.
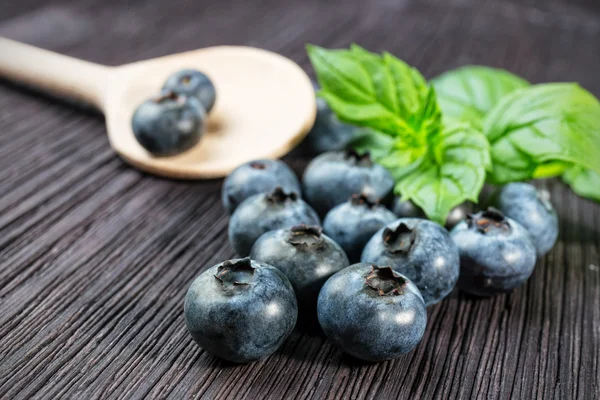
{"points": [[410, 87], [550, 169], [383, 84], [583, 181], [348, 89], [378, 92], [469, 93], [543, 123], [453, 172]]}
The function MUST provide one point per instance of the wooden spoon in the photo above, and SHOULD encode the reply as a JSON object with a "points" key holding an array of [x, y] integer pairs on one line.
{"points": [[265, 102]]}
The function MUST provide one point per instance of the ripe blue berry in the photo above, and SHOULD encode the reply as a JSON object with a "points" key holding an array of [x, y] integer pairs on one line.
{"points": [[328, 133], [240, 310], [254, 177], [306, 256], [168, 124], [532, 209], [457, 215], [408, 209], [422, 251], [331, 178], [496, 253], [266, 212], [372, 313], [353, 223], [193, 83]]}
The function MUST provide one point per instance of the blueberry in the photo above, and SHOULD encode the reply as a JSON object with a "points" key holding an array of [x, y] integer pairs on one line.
{"points": [[306, 257], [353, 223], [240, 310], [420, 249], [331, 178], [266, 212], [496, 253], [256, 177], [193, 83], [457, 215], [328, 133], [532, 209], [408, 209], [168, 124], [372, 313]]}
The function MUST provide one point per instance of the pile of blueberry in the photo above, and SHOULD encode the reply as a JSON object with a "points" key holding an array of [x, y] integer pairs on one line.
{"points": [[367, 273], [174, 120]]}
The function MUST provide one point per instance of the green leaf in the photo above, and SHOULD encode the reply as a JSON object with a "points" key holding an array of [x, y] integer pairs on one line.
{"points": [[540, 124], [410, 87], [453, 173], [584, 182], [347, 87], [550, 169], [378, 92], [469, 93]]}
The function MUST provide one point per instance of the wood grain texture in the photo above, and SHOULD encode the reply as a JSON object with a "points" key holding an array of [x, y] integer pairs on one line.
{"points": [[95, 257]]}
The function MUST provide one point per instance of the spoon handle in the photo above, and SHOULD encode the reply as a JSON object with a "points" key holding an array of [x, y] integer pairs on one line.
{"points": [[53, 72]]}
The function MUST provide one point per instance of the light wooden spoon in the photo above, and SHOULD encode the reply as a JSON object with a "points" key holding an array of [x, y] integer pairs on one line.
{"points": [[265, 102]]}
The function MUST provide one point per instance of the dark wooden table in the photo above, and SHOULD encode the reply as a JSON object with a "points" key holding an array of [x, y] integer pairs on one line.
{"points": [[95, 257]]}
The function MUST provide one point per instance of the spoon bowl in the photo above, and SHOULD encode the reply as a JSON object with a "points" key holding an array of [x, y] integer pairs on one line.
{"points": [[265, 102]]}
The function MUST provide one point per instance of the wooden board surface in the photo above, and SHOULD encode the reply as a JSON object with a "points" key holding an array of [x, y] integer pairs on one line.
{"points": [[95, 257]]}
